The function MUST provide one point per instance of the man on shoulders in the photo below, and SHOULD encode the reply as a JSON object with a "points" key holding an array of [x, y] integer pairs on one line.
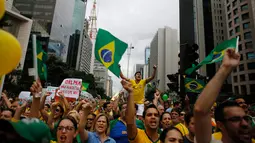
{"points": [[138, 86]]}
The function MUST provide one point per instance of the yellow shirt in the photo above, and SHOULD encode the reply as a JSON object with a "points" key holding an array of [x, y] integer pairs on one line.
{"points": [[182, 128], [138, 91], [142, 137]]}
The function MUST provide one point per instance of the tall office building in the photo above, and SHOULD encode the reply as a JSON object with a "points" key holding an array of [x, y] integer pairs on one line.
{"points": [[19, 26], [241, 22], [109, 86], [57, 19], [164, 53], [84, 60], [100, 74]]}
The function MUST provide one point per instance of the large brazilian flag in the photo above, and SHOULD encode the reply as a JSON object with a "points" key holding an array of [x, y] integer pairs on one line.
{"points": [[109, 50], [216, 54]]}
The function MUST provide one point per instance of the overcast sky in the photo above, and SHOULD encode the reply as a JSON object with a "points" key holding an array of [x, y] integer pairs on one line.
{"points": [[136, 22]]}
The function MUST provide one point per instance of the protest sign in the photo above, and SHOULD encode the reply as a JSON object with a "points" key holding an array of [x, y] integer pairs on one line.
{"points": [[86, 95], [71, 87], [24, 96], [51, 90]]}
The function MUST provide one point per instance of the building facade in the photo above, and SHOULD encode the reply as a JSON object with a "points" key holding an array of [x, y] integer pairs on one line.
{"points": [[164, 53], [138, 67], [20, 27], [240, 19], [100, 74], [147, 55], [109, 87]]}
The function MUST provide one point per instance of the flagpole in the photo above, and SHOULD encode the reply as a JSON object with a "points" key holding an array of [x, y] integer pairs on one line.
{"points": [[35, 57], [237, 44], [2, 84]]}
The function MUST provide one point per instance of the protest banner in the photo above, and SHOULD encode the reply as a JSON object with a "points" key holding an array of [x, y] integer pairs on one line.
{"points": [[86, 95], [71, 87], [24, 96], [51, 90]]}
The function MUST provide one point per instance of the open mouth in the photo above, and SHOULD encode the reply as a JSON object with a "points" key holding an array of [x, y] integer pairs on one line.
{"points": [[245, 134], [63, 138], [153, 123]]}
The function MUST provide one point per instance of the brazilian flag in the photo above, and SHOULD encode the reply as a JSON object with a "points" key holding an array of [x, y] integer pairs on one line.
{"points": [[41, 61], [216, 54], [194, 85], [109, 50], [84, 86]]}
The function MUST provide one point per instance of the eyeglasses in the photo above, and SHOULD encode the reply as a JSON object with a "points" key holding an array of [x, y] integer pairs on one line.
{"points": [[236, 119], [67, 128], [241, 103], [90, 119]]}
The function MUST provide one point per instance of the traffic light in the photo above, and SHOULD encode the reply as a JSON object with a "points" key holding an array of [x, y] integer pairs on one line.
{"points": [[188, 56], [174, 84]]}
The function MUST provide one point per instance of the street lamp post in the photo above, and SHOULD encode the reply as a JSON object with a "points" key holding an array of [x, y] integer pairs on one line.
{"points": [[129, 54]]}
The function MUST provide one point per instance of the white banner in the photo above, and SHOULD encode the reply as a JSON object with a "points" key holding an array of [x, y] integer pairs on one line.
{"points": [[51, 90], [71, 87], [25, 96], [86, 95]]}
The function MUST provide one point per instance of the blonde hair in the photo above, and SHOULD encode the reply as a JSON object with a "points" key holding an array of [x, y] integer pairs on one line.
{"points": [[75, 115], [107, 132]]}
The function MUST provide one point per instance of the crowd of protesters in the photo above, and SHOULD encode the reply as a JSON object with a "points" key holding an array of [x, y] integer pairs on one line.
{"points": [[132, 119]]}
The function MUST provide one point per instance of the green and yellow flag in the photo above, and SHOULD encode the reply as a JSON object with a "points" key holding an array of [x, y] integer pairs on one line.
{"points": [[84, 86], [109, 50], [216, 54], [194, 85], [41, 61]]}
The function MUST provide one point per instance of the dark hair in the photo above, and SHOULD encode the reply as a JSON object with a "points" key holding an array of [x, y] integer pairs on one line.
{"points": [[178, 110], [94, 115], [219, 110], [165, 131], [137, 72], [11, 110], [136, 107], [120, 105], [148, 107], [71, 119], [105, 104], [61, 109], [188, 117], [161, 117], [48, 105], [176, 103]]}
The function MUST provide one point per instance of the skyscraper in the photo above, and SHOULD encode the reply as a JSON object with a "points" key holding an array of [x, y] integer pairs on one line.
{"points": [[164, 53], [100, 74], [240, 22]]}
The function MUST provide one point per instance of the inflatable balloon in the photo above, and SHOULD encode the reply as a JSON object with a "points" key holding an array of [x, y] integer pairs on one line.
{"points": [[10, 52], [165, 97], [2, 8]]}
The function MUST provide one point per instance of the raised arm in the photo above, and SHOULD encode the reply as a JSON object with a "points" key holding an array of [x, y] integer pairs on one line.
{"points": [[44, 114], [36, 90], [130, 112], [153, 74], [6, 100], [210, 93], [19, 111], [86, 108], [121, 74]]}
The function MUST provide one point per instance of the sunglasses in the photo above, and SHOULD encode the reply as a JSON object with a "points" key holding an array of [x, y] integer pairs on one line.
{"points": [[57, 110]]}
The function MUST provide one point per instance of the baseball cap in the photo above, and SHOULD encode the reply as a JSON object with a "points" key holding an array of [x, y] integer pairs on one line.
{"points": [[32, 129]]}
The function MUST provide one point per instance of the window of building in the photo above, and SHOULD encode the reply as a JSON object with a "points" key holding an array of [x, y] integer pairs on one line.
{"points": [[248, 45], [219, 5], [250, 55], [241, 57], [234, 3], [231, 32], [242, 77], [252, 87], [235, 78], [252, 76], [22, 4], [246, 25], [220, 11], [247, 35], [244, 7], [245, 16], [222, 32], [221, 24], [237, 29], [230, 24], [228, 8], [241, 67], [229, 16], [236, 20], [236, 89], [220, 17], [243, 90], [235, 70], [251, 66], [235, 11]]}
